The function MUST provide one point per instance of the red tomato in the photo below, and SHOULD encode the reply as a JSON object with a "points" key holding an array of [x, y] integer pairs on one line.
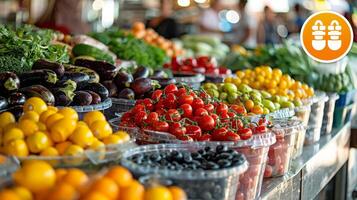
{"points": [[212, 71], [199, 70], [175, 63], [187, 110], [152, 117], [172, 115], [263, 121], [126, 117], [215, 117], [219, 133], [231, 136], [224, 117], [185, 138], [185, 98], [139, 117], [201, 112], [148, 104], [239, 109], [209, 107], [202, 61], [156, 95], [190, 62], [221, 108], [181, 91], [260, 129], [160, 111], [206, 123], [170, 101], [245, 133], [159, 105], [170, 89], [231, 114], [224, 71], [237, 124], [161, 126], [197, 103], [193, 131], [204, 95], [138, 108], [177, 130], [205, 137], [186, 68]]}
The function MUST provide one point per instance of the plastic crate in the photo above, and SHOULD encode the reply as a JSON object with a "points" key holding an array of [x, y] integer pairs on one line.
{"points": [[346, 98], [342, 115], [119, 106]]}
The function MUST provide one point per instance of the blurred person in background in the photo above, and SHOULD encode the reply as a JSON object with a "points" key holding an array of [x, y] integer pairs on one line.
{"points": [[352, 5], [299, 17], [267, 28], [242, 29], [164, 24], [209, 21]]}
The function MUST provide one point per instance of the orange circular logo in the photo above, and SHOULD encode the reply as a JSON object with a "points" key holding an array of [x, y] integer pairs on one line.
{"points": [[326, 36]]}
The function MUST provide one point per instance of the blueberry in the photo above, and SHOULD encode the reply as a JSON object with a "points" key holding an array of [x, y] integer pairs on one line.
{"points": [[226, 156], [224, 163], [187, 158], [211, 165], [196, 155], [221, 148], [238, 160], [208, 148], [155, 157], [201, 152]]}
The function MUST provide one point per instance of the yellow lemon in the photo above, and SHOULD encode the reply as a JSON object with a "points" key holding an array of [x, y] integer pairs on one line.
{"points": [[124, 135], [62, 129], [6, 118], [23, 193], [69, 113], [35, 175], [53, 119], [113, 139], [31, 115], [12, 134], [37, 142], [101, 129], [93, 116], [82, 136], [62, 146], [28, 126], [17, 148], [158, 192], [35, 104], [44, 116]]}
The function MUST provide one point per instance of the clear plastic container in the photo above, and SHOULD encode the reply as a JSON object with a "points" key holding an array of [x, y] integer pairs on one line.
{"points": [[90, 158], [193, 80], [198, 184], [316, 117], [303, 113], [81, 110], [119, 106], [289, 141], [8, 165], [329, 109]]}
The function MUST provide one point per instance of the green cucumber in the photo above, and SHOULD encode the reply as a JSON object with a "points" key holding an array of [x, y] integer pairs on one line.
{"points": [[87, 50]]}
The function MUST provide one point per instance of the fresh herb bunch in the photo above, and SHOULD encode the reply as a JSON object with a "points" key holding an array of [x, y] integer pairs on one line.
{"points": [[127, 47], [20, 47]]}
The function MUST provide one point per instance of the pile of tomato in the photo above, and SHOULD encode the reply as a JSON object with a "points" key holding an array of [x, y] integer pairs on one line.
{"points": [[202, 65], [192, 116]]}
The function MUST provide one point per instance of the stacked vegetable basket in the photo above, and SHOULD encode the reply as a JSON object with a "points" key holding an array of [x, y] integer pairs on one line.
{"points": [[75, 110]]}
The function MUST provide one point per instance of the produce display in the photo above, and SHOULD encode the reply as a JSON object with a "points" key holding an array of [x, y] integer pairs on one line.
{"points": [[24, 45], [47, 131], [127, 47], [273, 81], [38, 180], [204, 45], [199, 65], [153, 38], [204, 173], [339, 83], [191, 116], [255, 102]]}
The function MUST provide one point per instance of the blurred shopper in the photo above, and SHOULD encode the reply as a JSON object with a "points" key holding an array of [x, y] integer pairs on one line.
{"points": [[299, 17], [267, 29], [209, 22], [242, 30], [352, 5], [164, 24]]}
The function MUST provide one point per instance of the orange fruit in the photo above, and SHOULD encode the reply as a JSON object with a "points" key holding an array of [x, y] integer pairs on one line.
{"points": [[73, 150], [101, 129], [158, 193], [69, 113], [62, 129], [120, 175], [31, 115], [75, 178], [41, 126], [249, 104], [178, 193], [133, 191], [28, 127], [257, 110], [35, 176], [23, 193], [95, 195], [93, 116], [49, 151], [6, 118], [53, 119], [60, 173], [62, 191], [106, 186], [9, 126], [62, 146], [8, 194], [35, 104], [82, 136]]}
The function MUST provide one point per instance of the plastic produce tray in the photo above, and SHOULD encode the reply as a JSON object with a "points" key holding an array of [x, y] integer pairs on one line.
{"points": [[8, 165], [199, 184], [193, 80], [329, 109], [81, 110], [119, 106], [303, 113]]}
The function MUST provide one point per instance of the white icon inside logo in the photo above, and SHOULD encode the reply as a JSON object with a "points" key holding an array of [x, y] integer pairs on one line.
{"points": [[318, 43], [334, 43]]}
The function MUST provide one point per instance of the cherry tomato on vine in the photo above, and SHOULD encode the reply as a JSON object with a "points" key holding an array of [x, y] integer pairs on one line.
{"points": [[245, 133], [172, 88], [148, 104], [138, 108], [152, 117], [161, 126], [237, 124], [181, 91], [126, 117], [140, 117], [170, 101], [185, 98], [231, 114], [197, 103], [205, 137], [239, 109], [185, 138], [156, 95], [219, 133], [193, 131], [209, 107], [187, 110], [172, 115], [201, 112], [178, 131], [221, 108], [260, 129], [206, 123], [231, 136]]}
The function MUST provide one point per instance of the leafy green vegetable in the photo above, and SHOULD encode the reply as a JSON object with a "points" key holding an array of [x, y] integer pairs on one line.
{"points": [[20, 47], [127, 47]]}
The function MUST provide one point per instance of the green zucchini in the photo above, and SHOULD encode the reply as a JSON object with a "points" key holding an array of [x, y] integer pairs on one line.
{"points": [[87, 50]]}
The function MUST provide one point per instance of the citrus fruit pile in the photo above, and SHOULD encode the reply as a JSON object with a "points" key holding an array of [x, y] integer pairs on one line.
{"points": [[273, 81], [48, 131], [37, 180], [255, 102]]}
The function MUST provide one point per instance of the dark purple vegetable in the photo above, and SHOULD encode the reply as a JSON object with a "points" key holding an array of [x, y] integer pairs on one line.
{"points": [[3, 103], [126, 93], [77, 77], [164, 81], [16, 98], [44, 77], [112, 88], [81, 98], [95, 97], [141, 72], [105, 70], [63, 96], [15, 110], [44, 64], [159, 74], [39, 91], [123, 80], [9, 82], [142, 85], [97, 88]]}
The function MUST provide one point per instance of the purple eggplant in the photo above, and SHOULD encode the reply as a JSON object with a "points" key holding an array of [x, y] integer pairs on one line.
{"points": [[16, 98], [77, 77], [44, 64], [17, 111], [112, 88], [142, 85], [81, 98], [141, 72], [9, 82], [95, 97], [3, 103], [123, 80], [97, 88], [126, 93], [44, 77], [39, 91], [105, 70]]}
